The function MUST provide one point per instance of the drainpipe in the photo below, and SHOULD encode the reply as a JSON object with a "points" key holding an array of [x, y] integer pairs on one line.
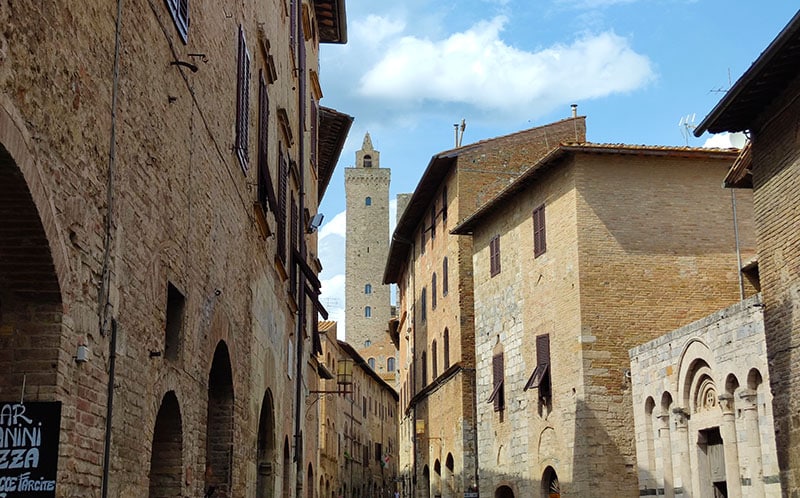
{"points": [[738, 249], [103, 291]]}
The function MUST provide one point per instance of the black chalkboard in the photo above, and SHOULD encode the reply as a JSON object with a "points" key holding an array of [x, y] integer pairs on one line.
{"points": [[29, 449]]}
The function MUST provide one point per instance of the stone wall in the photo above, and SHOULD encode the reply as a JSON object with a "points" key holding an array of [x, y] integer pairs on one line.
{"points": [[708, 376]]}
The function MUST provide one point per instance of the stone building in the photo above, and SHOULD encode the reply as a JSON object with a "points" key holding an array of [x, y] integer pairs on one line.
{"points": [[159, 165], [594, 249], [358, 429], [434, 328], [764, 102], [703, 408], [367, 300]]}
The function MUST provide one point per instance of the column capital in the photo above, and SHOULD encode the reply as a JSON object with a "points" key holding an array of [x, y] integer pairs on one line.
{"points": [[681, 417], [750, 398], [726, 403]]}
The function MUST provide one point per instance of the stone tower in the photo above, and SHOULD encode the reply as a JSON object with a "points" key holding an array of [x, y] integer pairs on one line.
{"points": [[367, 300]]}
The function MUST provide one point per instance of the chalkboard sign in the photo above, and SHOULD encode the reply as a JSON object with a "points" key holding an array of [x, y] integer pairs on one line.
{"points": [[29, 449]]}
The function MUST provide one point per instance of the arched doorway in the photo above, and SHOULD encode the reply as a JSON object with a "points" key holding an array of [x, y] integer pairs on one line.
{"points": [[550, 486], [310, 481], [30, 295], [426, 482], [166, 455], [286, 490], [265, 480], [503, 492], [219, 424], [449, 488], [437, 479]]}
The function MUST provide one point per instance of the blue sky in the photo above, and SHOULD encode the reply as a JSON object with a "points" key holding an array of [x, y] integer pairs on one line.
{"points": [[412, 69]]}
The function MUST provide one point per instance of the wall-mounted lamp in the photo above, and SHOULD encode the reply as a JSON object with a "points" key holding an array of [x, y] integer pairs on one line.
{"points": [[185, 64], [82, 354], [315, 223]]}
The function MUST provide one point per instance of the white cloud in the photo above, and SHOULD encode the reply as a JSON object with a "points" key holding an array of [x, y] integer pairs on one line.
{"points": [[477, 68], [726, 141], [336, 226]]}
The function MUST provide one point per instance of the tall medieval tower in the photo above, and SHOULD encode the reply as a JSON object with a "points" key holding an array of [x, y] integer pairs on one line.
{"points": [[367, 300]]}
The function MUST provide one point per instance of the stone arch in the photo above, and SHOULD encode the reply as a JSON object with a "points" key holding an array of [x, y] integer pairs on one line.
{"points": [[426, 482], [310, 480], [695, 350], [504, 491], [731, 384], [437, 479], [31, 305], [649, 434], [754, 379], [166, 453], [550, 485], [286, 488], [449, 488], [666, 402], [699, 389], [16, 159], [265, 451], [219, 423]]}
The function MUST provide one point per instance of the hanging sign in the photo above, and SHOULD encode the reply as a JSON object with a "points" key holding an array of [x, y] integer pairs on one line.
{"points": [[29, 449]]}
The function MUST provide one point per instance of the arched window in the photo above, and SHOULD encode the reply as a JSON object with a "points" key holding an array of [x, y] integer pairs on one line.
{"points": [[434, 366], [367, 312], [444, 277], [424, 369], [367, 343], [433, 292], [368, 201], [371, 362], [367, 161], [446, 349], [368, 289], [390, 364]]}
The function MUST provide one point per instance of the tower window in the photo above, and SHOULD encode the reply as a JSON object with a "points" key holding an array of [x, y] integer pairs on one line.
{"points": [[368, 201], [371, 363], [367, 161], [368, 289], [368, 312], [390, 364], [433, 291], [367, 343]]}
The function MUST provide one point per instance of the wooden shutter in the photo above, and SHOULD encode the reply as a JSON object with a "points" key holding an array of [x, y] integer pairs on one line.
{"points": [[242, 102], [444, 277], [498, 396], [539, 234], [446, 349], [494, 255], [433, 222], [266, 191], [433, 291], [434, 365], [283, 176], [540, 378]]}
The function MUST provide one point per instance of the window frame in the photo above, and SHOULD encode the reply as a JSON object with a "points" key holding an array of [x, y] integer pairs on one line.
{"points": [[445, 280], [497, 398], [494, 256], [539, 231], [179, 10], [433, 291], [242, 138]]}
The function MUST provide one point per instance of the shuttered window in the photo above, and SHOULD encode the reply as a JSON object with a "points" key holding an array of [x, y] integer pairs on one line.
{"points": [[293, 220], [179, 10], [434, 365], [497, 397], [446, 349], [283, 177], [444, 205], [314, 131], [433, 222], [266, 191], [422, 237], [241, 143], [540, 378], [444, 277], [494, 255], [423, 304], [539, 235], [433, 292], [424, 369]]}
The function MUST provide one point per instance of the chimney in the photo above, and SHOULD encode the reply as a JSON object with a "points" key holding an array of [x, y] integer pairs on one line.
{"points": [[574, 110]]}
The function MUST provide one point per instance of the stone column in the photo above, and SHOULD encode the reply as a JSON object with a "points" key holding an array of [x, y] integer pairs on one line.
{"points": [[733, 477], [666, 454], [682, 436], [750, 415]]}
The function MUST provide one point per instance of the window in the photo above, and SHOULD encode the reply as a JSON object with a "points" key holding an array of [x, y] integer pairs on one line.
{"points": [[371, 363], [283, 175], [433, 222], [367, 312], [368, 201], [390, 364], [434, 366], [179, 10], [368, 289], [176, 302], [494, 255], [498, 396], [540, 378], [367, 161], [423, 305], [539, 236], [444, 205], [378, 452], [422, 239], [424, 369], [314, 131], [367, 343], [266, 192], [242, 102], [444, 277], [433, 292], [446, 349], [293, 28], [364, 406]]}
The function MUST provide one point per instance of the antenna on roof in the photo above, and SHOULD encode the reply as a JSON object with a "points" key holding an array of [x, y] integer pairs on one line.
{"points": [[459, 138], [686, 124]]}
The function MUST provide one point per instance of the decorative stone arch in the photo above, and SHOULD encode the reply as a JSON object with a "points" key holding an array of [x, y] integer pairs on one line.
{"points": [[310, 481], [650, 436], [449, 486], [548, 442], [731, 384], [696, 355], [504, 491], [166, 453], [286, 481], [550, 485], [437, 479], [426, 482], [266, 449], [219, 424], [754, 379]]}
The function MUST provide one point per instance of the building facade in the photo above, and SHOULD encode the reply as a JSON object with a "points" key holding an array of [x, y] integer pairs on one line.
{"points": [[764, 103], [358, 429], [367, 299], [434, 328], [703, 408], [159, 163], [593, 250]]}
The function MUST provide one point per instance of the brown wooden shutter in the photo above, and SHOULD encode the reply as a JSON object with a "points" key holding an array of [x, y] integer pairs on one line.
{"points": [[434, 366], [242, 102], [539, 234], [266, 190], [498, 396], [433, 291], [446, 349], [444, 277], [283, 177], [494, 256]]}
